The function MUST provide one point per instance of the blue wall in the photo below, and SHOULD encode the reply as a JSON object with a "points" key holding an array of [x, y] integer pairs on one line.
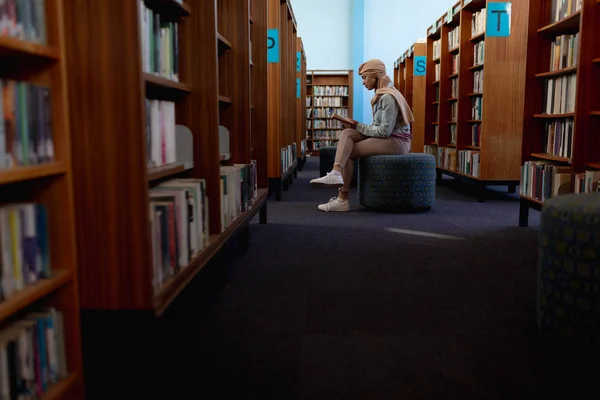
{"points": [[358, 54], [325, 29], [342, 34]]}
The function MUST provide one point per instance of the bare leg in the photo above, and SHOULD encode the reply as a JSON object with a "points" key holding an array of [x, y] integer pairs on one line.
{"points": [[347, 175]]}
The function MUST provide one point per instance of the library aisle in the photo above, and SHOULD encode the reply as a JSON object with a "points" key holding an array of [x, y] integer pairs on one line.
{"points": [[361, 305]]}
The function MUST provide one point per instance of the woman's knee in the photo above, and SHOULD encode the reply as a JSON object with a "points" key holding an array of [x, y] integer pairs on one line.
{"points": [[346, 133]]}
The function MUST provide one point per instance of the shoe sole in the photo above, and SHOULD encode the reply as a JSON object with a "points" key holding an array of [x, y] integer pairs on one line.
{"points": [[326, 184]]}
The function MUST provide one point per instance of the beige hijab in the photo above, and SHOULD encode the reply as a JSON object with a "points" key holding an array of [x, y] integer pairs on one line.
{"points": [[376, 69]]}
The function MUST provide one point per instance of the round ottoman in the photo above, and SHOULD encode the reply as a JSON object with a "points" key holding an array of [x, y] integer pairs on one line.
{"points": [[397, 183], [326, 160], [568, 295]]}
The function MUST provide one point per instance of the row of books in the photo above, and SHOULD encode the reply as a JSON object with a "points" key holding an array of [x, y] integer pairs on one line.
{"points": [[325, 112], [160, 49], [160, 132], [328, 90], [323, 124], [324, 101], [23, 19], [25, 124], [179, 216], [32, 354]]}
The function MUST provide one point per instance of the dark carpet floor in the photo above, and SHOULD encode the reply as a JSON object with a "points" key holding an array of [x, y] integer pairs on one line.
{"points": [[360, 305]]}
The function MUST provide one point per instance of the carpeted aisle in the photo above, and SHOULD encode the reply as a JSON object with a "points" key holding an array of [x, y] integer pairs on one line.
{"points": [[359, 305]]}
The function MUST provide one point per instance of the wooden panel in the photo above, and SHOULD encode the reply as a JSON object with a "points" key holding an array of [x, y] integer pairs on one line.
{"points": [[258, 29], [200, 110], [503, 101], [108, 167], [418, 103], [274, 89], [234, 70]]}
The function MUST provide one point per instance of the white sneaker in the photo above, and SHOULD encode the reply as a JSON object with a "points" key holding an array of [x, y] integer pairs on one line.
{"points": [[329, 179], [335, 205]]}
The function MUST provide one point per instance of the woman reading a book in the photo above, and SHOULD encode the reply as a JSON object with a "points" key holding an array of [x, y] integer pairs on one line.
{"points": [[389, 134]]}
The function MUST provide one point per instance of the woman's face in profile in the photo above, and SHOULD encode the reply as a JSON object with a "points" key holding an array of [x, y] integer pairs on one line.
{"points": [[368, 82]]}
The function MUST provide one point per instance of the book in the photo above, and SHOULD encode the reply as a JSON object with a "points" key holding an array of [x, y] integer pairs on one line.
{"points": [[343, 119]]}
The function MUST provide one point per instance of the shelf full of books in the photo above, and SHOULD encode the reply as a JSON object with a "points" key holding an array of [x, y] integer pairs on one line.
{"points": [[466, 128], [40, 340], [561, 147], [328, 92]]}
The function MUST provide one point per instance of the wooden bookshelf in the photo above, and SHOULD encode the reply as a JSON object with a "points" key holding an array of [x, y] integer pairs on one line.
{"points": [[301, 102], [477, 141], [216, 77], [258, 106], [569, 165], [281, 86], [39, 242], [413, 89], [320, 107]]}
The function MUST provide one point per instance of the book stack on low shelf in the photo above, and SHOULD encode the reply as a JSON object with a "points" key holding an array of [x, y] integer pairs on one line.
{"points": [[300, 101], [466, 124], [561, 149], [40, 342], [410, 79], [328, 92], [156, 200], [282, 100]]}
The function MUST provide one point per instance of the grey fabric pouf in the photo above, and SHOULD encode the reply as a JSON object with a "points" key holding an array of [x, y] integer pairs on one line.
{"points": [[326, 160], [397, 183], [568, 296]]}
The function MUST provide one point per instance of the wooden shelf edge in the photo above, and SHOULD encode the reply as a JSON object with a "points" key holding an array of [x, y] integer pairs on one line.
{"points": [[165, 83], [61, 388], [551, 157], [223, 42], [33, 293], [166, 171], [450, 171], [10, 45], [593, 165], [531, 200], [564, 71], [172, 288], [596, 60], [566, 24], [554, 116], [170, 7], [224, 99], [21, 174]]}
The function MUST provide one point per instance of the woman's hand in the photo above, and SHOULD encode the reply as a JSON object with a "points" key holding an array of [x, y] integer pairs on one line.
{"points": [[349, 125]]}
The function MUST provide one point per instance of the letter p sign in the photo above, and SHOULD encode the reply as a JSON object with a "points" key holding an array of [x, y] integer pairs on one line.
{"points": [[498, 19], [420, 65]]}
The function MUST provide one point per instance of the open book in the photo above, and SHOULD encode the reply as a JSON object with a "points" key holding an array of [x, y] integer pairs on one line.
{"points": [[343, 119]]}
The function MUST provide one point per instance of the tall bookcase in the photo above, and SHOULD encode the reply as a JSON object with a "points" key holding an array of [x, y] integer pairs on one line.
{"points": [[327, 92], [561, 149], [474, 125], [282, 100], [412, 88], [300, 102], [39, 288], [198, 59]]}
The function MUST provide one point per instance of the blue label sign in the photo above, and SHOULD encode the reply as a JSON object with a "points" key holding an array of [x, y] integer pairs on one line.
{"points": [[498, 19], [420, 65], [298, 88], [273, 45], [298, 58]]}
